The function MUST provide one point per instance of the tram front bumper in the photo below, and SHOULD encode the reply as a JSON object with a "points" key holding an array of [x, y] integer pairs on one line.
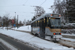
{"points": [[57, 37]]}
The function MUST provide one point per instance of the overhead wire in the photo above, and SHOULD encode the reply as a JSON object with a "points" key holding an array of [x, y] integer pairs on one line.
{"points": [[15, 5], [43, 2], [26, 2]]}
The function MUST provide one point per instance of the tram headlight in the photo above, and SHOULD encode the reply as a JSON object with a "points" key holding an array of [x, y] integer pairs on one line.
{"points": [[60, 33], [54, 33], [59, 15]]}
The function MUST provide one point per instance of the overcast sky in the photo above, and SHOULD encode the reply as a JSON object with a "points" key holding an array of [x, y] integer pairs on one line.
{"points": [[23, 8]]}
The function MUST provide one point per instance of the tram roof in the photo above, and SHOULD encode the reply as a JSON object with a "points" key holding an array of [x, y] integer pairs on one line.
{"points": [[42, 16]]}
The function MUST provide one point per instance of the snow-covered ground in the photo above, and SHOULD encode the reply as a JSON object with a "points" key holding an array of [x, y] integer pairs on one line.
{"points": [[68, 34], [68, 31], [33, 41], [69, 39], [69, 24], [68, 42], [23, 28]]}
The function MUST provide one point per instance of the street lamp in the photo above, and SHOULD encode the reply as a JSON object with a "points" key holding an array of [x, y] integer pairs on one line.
{"points": [[17, 21], [15, 14]]}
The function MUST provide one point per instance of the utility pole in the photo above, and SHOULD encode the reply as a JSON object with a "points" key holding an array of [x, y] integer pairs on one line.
{"points": [[38, 11], [17, 21], [15, 17]]}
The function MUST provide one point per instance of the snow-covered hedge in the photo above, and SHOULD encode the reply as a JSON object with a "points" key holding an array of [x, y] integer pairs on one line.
{"points": [[70, 31], [68, 25]]}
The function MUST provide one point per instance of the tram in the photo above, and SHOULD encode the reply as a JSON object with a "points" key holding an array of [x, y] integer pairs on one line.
{"points": [[47, 26]]}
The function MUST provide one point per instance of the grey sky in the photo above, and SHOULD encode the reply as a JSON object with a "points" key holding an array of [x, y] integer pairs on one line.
{"points": [[23, 8]]}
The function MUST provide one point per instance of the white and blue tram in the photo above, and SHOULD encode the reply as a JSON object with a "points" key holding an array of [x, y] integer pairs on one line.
{"points": [[47, 26]]}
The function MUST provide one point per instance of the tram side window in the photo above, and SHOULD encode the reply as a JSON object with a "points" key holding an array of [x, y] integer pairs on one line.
{"points": [[38, 23], [35, 23], [32, 25], [47, 21]]}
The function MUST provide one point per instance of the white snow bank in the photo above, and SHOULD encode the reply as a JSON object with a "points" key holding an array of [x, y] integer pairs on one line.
{"points": [[24, 28], [34, 41], [68, 34], [69, 24], [69, 39]]}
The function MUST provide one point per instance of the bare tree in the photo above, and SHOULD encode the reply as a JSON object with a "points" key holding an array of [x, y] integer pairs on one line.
{"points": [[59, 7], [20, 22], [70, 12], [5, 20], [24, 22], [39, 11]]}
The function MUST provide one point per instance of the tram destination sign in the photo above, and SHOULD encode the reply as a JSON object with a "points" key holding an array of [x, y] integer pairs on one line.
{"points": [[55, 15]]}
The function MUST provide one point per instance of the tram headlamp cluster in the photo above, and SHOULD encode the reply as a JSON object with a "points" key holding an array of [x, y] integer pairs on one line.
{"points": [[54, 33], [59, 15], [60, 33]]}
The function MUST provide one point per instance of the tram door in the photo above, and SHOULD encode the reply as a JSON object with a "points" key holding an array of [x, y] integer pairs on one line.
{"points": [[42, 28]]}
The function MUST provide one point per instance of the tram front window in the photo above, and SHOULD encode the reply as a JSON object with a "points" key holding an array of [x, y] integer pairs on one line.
{"points": [[55, 23]]}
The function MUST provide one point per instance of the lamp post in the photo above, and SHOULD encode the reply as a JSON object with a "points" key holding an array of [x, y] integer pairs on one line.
{"points": [[15, 14], [17, 21]]}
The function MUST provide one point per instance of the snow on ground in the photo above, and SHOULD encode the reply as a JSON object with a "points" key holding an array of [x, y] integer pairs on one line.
{"points": [[72, 40], [68, 31], [68, 34], [24, 28], [33, 41]]}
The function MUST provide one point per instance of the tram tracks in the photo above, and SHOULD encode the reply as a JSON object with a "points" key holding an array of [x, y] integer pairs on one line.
{"points": [[67, 43]]}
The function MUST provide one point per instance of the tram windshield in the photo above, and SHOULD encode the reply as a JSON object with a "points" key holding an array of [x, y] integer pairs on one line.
{"points": [[55, 23]]}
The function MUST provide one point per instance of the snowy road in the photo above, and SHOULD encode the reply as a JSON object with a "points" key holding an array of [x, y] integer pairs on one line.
{"points": [[3, 47], [17, 45]]}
